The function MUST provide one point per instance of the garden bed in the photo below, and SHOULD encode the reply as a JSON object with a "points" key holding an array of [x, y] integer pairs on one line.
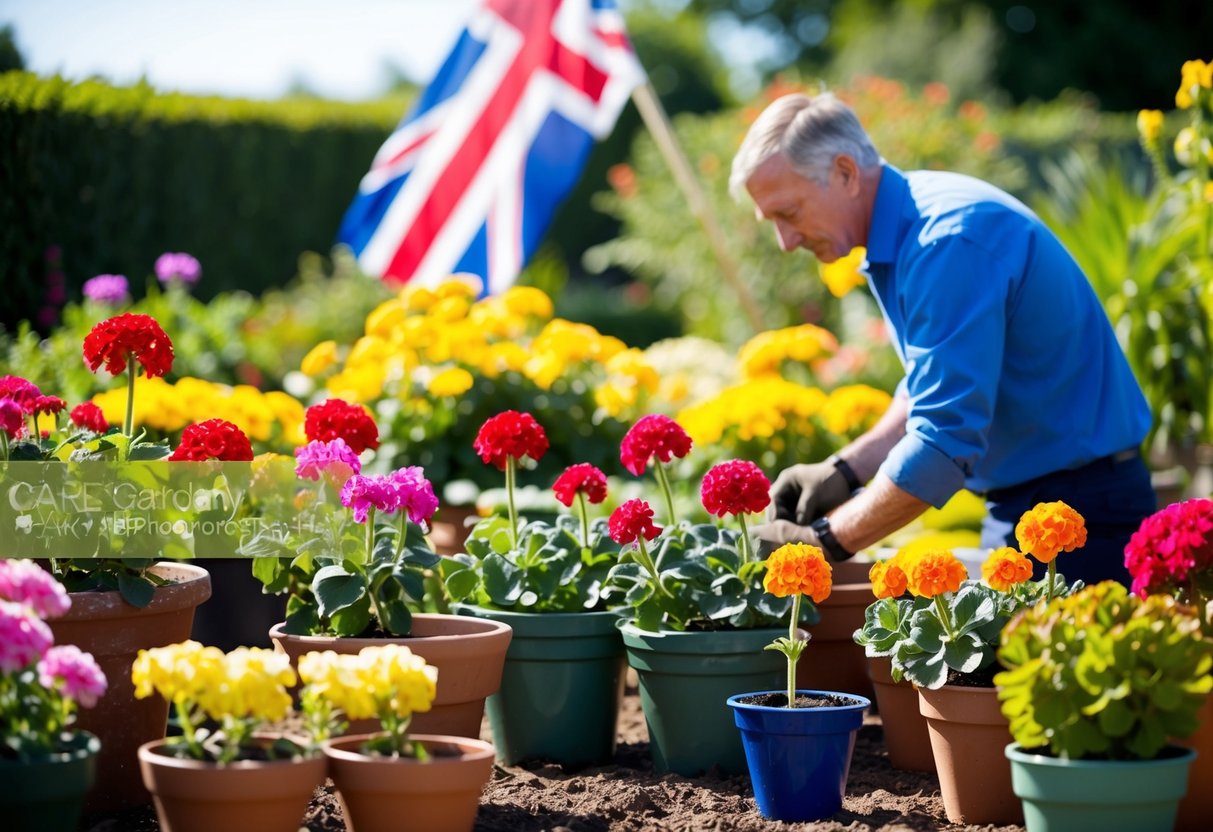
{"points": [[629, 797]]}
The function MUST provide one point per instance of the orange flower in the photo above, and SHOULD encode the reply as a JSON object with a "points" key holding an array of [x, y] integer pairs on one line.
{"points": [[1005, 568], [1049, 528], [933, 572], [888, 577], [798, 568]]}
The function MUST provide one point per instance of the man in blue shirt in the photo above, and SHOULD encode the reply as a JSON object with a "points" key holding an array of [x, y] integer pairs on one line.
{"points": [[1015, 386]]}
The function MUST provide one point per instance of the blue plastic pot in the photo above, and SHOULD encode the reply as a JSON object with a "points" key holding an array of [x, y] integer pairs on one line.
{"points": [[799, 758]]}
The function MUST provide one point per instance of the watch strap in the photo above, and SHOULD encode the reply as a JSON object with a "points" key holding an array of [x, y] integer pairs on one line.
{"points": [[821, 527], [848, 473]]}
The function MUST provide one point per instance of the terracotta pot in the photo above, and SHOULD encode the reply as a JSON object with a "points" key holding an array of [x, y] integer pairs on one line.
{"points": [[833, 661], [468, 652], [969, 735], [1196, 808], [103, 624], [905, 728], [196, 796], [451, 527], [389, 794]]}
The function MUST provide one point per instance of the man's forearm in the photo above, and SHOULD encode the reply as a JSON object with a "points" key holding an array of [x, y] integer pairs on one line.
{"points": [[866, 453], [880, 510]]}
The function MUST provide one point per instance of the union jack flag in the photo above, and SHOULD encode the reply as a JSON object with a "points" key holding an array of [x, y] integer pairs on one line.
{"points": [[471, 178]]}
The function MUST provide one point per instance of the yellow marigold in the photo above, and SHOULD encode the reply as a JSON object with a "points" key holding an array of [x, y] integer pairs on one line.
{"points": [[527, 301], [1047, 529], [798, 568], [450, 308], [1149, 125], [1194, 75], [369, 349], [503, 357], [178, 671], [340, 680], [363, 383], [386, 317], [888, 578], [453, 381], [843, 275], [319, 358], [854, 408], [1005, 568], [459, 285], [933, 572], [252, 683], [765, 352]]}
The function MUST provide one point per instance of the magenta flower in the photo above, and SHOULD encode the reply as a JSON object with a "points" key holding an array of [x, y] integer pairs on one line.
{"points": [[178, 265], [73, 673], [20, 390], [1171, 547], [24, 637], [414, 494], [12, 418], [335, 460], [363, 493], [24, 582], [111, 289]]}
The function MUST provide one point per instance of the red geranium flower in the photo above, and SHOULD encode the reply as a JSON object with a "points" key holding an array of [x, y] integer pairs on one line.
{"points": [[89, 416], [584, 478], [735, 487], [1170, 545], [20, 390], [654, 435], [213, 439], [510, 434], [338, 419], [112, 341], [631, 520], [48, 404], [12, 418]]}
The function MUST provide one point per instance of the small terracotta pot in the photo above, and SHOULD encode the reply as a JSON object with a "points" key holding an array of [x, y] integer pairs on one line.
{"points": [[195, 796], [451, 527], [968, 737], [103, 624], [390, 794], [833, 661], [1196, 807], [468, 652], [905, 728]]}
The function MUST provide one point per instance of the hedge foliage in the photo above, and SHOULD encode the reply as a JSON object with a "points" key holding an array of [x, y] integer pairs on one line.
{"points": [[115, 176]]}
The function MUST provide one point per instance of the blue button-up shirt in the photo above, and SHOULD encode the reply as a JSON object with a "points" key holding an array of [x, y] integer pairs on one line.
{"points": [[1012, 369]]}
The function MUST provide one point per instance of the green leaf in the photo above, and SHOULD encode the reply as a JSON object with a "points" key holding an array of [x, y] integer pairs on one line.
{"points": [[354, 619], [336, 589], [502, 580], [396, 618], [411, 582], [135, 589], [462, 584]]}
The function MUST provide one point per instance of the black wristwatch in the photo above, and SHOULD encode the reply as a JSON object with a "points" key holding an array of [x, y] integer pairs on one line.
{"points": [[821, 527], [848, 473]]}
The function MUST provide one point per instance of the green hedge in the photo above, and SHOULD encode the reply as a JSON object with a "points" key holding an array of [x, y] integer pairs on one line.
{"points": [[116, 176]]}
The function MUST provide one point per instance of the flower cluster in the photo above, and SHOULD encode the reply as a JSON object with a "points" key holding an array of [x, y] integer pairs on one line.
{"points": [[405, 490], [766, 353], [798, 568], [844, 274], [178, 266], [1050, 528], [334, 460], [633, 522], [1006, 568], [735, 487], [127, 338], [510, 435], [41, 683], [338, 419], [580, 480], [1172, 551], [109, 289], [243, 690], [213, 439]]}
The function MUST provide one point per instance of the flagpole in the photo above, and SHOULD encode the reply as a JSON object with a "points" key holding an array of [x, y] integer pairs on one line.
{"points": [[658, 122]]}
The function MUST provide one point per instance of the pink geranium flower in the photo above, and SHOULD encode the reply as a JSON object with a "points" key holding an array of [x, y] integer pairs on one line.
{"points": [[73, 673], [24, 637], [334, 460], [24, 582]]}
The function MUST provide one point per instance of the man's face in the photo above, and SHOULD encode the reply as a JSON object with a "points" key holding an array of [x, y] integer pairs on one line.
{"points": [[817, 218]]}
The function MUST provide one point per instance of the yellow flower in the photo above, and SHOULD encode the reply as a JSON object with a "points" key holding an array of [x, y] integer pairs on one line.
{"points": [[843, 275], [1194, 76], [380, 680], [1047, 529], [798, 568], [177, 672], [765, 352], [453, 381], [1005, 568], [358, 384], [1208, 193], [503, 357], [252, 682], [933, 572], [1149, 124], [527, 301], [386, 318], [854, 408], [319, 358], [417, 298]]}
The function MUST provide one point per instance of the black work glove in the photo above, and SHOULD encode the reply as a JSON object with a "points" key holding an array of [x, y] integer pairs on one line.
{"points": [[803, 493], [770, 536]]}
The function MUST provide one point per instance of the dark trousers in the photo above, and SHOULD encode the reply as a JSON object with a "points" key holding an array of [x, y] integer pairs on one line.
{"points": [[1113, 494]]}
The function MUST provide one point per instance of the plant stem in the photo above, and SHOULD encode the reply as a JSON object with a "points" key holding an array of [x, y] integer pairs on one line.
{"points": [[792, 661], [584, 511], [370, 535], [4, 444], [944, 616], [1052, 576], [509, 496], [647, 563], [128, 424], [400, 538], [664, 481], [747, 553], [188, 731]]}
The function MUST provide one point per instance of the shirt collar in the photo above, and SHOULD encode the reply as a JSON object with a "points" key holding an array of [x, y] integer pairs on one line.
{"points": [[884, 233]]}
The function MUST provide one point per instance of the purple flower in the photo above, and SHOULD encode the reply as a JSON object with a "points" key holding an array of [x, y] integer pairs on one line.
{"points": [[24, 636], [73, 673], [107, 288], [12, 417], [414, 494], [24, 582], [177, 265], [335, 460], [364, 493]]}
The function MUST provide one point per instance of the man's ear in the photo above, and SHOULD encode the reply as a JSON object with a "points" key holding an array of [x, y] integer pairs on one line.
{"points": [[847, 171]]}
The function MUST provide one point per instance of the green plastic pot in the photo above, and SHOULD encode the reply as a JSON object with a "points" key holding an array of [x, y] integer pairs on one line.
{"points": [[1109, 795], [560, 689], [685, 680], [47, 795]]}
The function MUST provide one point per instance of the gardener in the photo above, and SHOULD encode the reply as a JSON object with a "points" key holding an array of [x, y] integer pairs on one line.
{"points": [[1014, 387]]}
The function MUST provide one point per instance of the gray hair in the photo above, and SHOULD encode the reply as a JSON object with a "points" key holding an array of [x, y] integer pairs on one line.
{"points": [[810, 131]]}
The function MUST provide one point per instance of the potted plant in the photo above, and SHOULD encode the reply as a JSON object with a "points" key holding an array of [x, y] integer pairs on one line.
{"points": [[47, 764], [545, 581], [697, 616], [1172, 553], [798, 743], [949, 654], [1096, 685], [223, 771], [433, 781], [354, 569]]}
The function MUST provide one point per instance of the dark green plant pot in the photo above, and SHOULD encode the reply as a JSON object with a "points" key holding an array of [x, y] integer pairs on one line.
{"points": [[1109, 795], [685, 680], [48, 795], [560, 689]]}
